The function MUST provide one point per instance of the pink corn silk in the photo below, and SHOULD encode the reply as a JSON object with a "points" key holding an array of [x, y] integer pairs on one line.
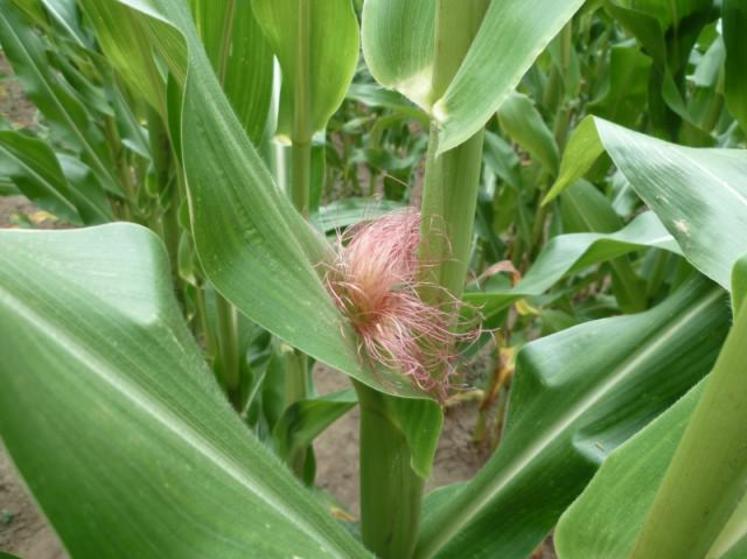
{"points": [[374, 282]]}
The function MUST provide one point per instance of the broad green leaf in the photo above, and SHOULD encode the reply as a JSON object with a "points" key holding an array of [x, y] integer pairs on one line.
{"points": [[567, 254], [707, 476], [304, 420], [254, 247], [241, 57], [398, 43], [668, 31], [67, 116], [400, 56], [131, 447], [732, 541], [65, 13], [317, 46], [512, 35], [605, 519], [575, 398], [734, 17], [373, 95], [521, 120], [349, 211], [608, 516], [133, 60], [584, 208], [37, 173], [626, 92], [699, 194]]}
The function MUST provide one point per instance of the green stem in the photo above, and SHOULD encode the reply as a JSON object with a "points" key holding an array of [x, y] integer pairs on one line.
{"points": [[301, 176], [296, 388], [229, 367], [168, 194], [296, 366], [451, 179], [302, 125], [391, 492], [123, 170], [448, 215], [708, 473], [228, 348]]}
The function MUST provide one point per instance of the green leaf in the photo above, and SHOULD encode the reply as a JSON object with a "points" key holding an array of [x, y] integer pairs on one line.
{"points": [[699, 194], [512, 35], [567, 254], [575, 398], [133, 60], [734, 17], [584, 208], [304, 420], [241, 57], [349, 211], [400, 56], [254, 247], [707, 476], [626, 92], [372, 95], [732, 541], [67, 116], [668, 31], [609, 515], [37, 173], [605, 519], [317, 46], [102, 379], [65, 13], [398, 43], [521, 120]]}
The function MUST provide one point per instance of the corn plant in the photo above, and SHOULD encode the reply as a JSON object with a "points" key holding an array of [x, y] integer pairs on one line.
{"points": [[583, 208]]}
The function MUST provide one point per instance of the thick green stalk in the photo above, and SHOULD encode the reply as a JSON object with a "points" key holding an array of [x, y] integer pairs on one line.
{"points": [[301, 176], [168, 194], [296, 388], [708, 474], [447, 216], [451, 179], [296, 369], [229, 366], [302, 126], [391, 492], [228, 349]]}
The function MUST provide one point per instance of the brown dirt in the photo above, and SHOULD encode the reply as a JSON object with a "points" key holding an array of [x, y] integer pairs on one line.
{"points": [[13, 104]]}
